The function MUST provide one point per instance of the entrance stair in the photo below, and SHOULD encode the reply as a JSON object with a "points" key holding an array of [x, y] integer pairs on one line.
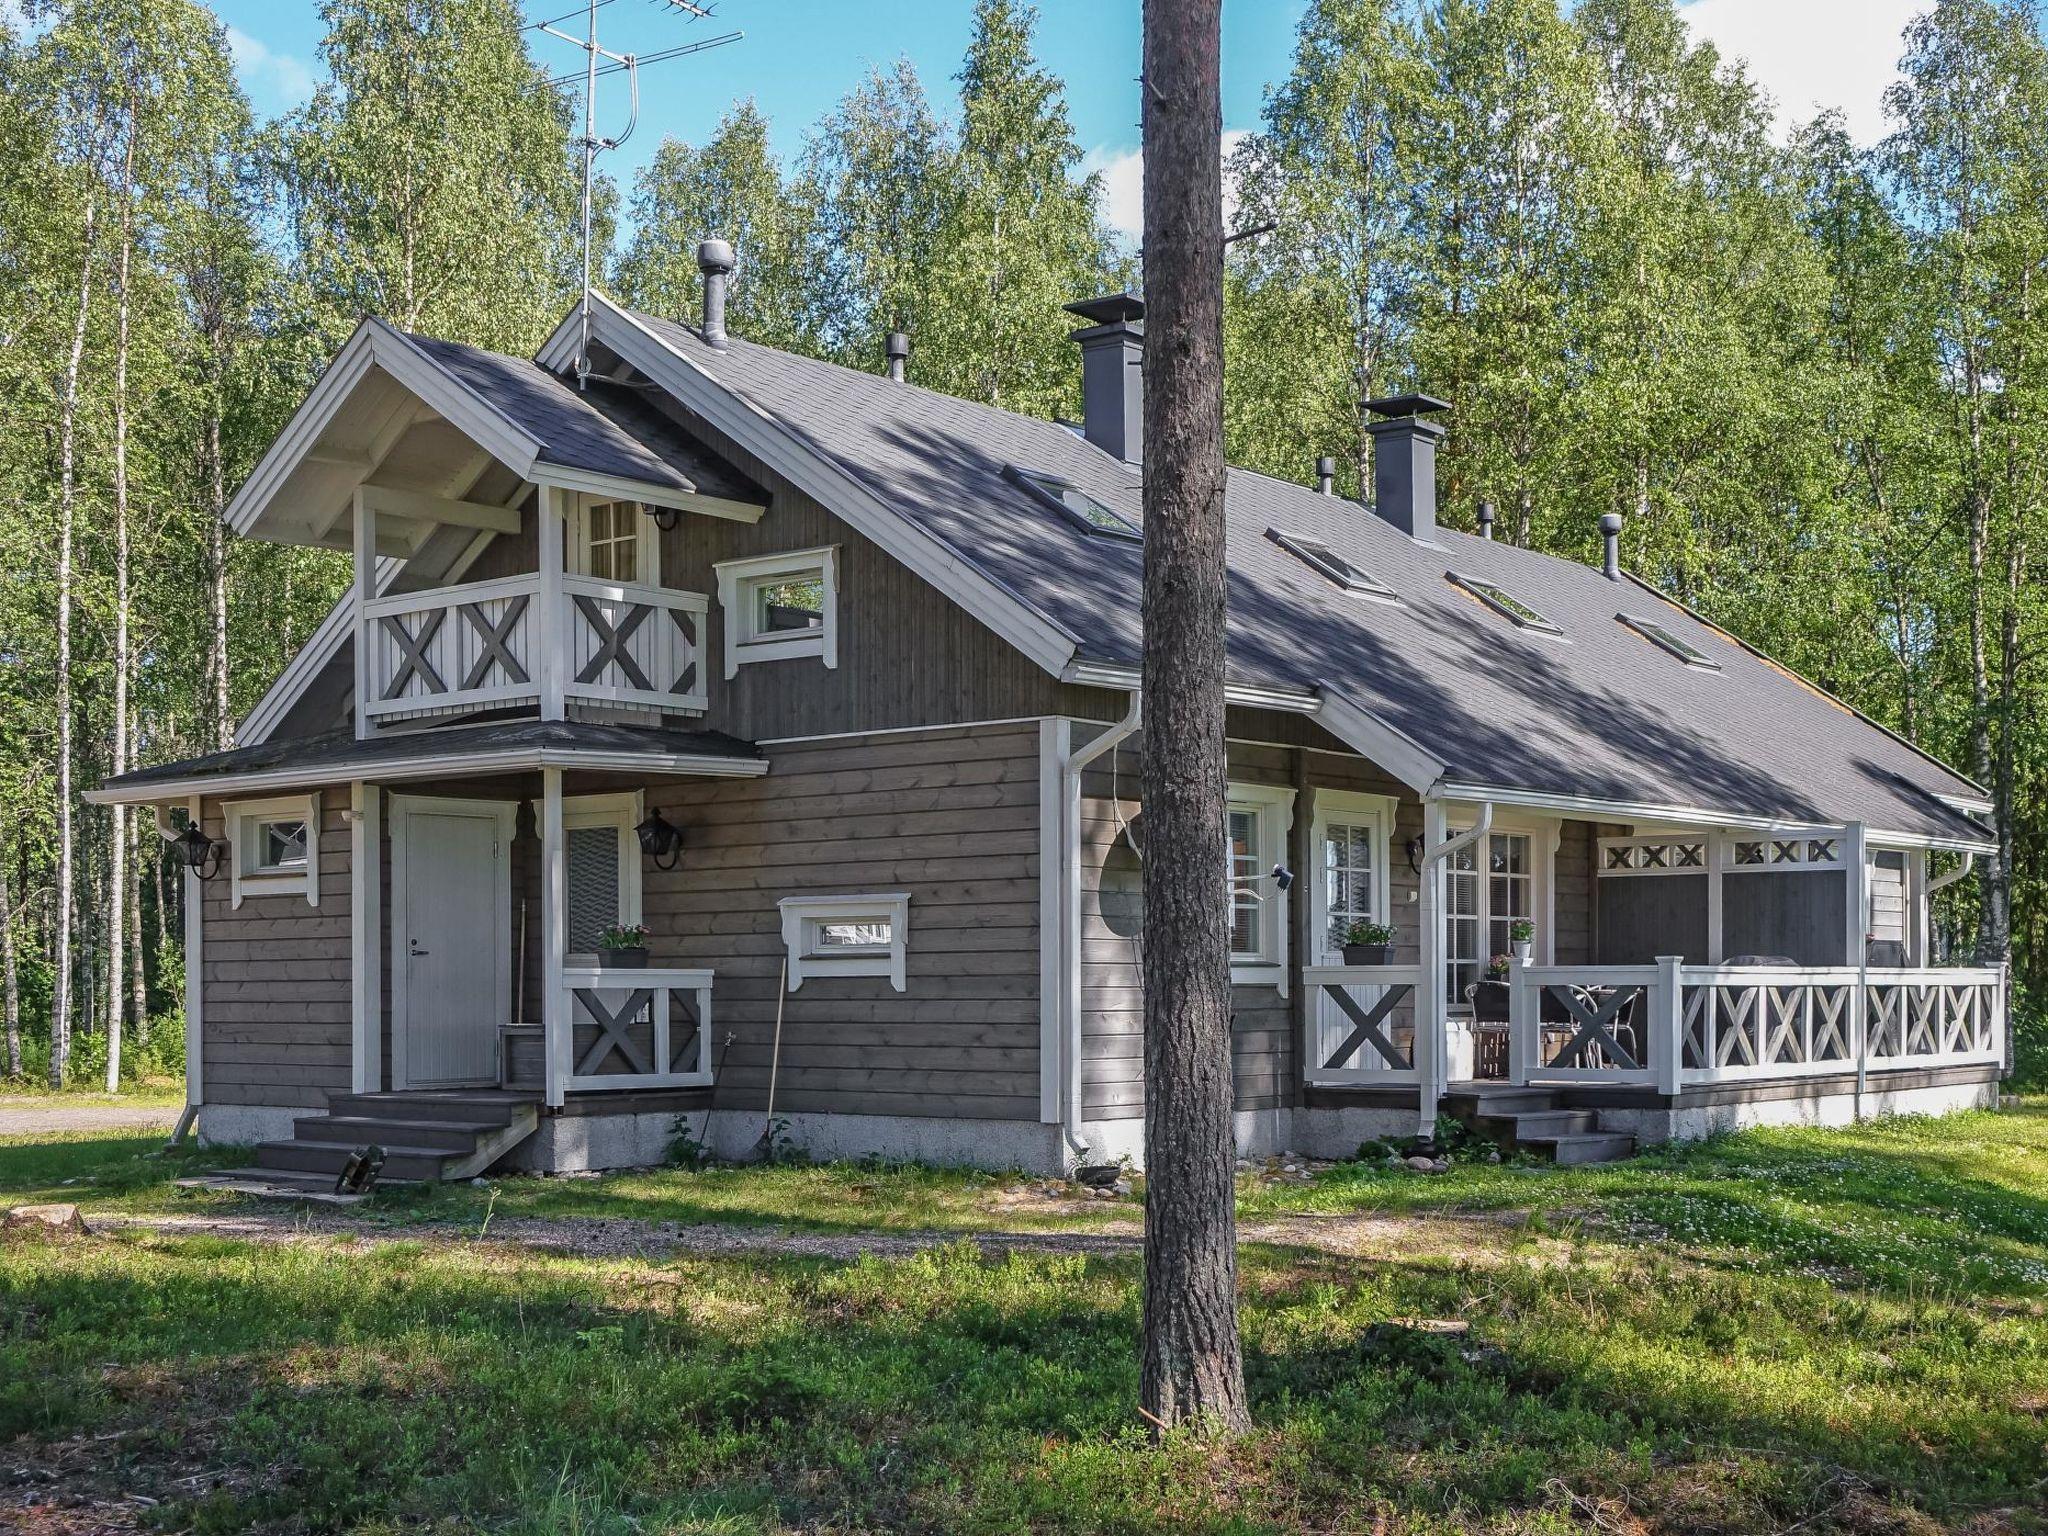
{"points": [[1537, 1121]]}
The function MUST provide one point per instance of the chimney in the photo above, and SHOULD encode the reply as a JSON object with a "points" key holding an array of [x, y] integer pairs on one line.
{"points": [[1486, 519], [1113, 374], [1404, 462], [714, 260], [1610, 536], [897, 350], [1326, 475]]}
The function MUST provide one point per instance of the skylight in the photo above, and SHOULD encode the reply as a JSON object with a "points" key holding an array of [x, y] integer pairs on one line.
{"points": [[1315, 553], [1657, 634], [1079, 508], [1505, 603]]}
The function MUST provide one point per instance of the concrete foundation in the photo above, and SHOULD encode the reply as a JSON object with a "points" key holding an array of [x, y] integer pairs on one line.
{"points": [[1691, 1122], [247, 1124]]}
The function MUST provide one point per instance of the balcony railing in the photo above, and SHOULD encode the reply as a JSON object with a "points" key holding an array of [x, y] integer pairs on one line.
{"points": [[1672, 1025], [630, 1029], [455, 650], [1362, 1023]]}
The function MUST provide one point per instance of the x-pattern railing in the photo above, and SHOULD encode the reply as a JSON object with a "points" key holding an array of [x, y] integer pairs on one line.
{"points": [[634, 1029]]}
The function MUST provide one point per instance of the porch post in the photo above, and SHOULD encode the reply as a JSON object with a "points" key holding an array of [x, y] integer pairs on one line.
{"points": [[551, 608], [554, 1010], [366, 935], [195, 982], [1856, 871], [1522, 1014], [1665, 1035], [1717, 944], [1429, 995], [366, 588]]}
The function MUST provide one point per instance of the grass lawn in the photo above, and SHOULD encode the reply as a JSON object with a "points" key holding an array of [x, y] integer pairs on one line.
{"points": [[1782, 1331]]}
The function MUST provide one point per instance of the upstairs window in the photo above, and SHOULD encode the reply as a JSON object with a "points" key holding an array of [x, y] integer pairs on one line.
{"points": [[611, 542], [1505, 603], [1658, 635], [1075, 504], [780, 606], [1319, 556]]}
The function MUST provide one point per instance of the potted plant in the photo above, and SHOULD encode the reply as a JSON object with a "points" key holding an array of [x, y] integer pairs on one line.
{"points": [[1497, 968], [1368, 944], [1522, 939], [623, 948]]}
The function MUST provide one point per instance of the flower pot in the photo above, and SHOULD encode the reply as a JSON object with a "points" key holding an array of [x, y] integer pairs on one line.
{"points": [[622, 959], [1368, 954], [1522, 949]]}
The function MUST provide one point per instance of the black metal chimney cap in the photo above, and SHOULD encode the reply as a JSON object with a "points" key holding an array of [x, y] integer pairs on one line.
{"points": [[1109, 309], [1407, 405]]}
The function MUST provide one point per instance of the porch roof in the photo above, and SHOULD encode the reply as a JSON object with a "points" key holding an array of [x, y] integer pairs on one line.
{"points": [[337, 757]]}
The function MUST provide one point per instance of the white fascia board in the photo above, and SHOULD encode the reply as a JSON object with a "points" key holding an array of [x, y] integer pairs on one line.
{"points": [[1109, 674], [446, 765], [1008, 615], [302, 431], [594, 484], [466, 410], [1370, 736], [320, 648]]}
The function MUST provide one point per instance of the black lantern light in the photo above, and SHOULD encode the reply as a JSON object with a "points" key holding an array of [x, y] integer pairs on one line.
{"points": [[665, 518], [1415, 855], [661, 840], [202, 855]]}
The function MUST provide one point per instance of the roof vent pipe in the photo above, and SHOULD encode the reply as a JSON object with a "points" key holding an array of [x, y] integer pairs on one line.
{"points": [[897, 350], [1113, 374], [1404, 462], [1486, 519], [1326, 475], [714, 260], [1610, 536]]}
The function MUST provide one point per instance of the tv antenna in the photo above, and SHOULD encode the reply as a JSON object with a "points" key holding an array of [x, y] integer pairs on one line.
{"points": [[591, 142]]}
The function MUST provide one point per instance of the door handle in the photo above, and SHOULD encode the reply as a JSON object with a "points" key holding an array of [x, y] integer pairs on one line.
{"points": [[414, 948]]}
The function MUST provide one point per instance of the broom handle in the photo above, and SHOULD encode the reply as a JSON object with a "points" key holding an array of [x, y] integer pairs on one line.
{"points": [[775, 1052]]}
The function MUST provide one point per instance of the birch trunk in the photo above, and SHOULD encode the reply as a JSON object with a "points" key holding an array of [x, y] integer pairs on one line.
{"points": [[1191, 1367], [9, 977], [67, 512], [117, 834]]}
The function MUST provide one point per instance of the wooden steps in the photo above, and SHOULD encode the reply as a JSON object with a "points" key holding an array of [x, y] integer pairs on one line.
{"points": [[1536, 1121], [428, 1138]]}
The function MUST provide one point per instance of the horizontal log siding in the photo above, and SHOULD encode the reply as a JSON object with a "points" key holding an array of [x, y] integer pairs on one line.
{"points": [[275, 985], [950, 816]]}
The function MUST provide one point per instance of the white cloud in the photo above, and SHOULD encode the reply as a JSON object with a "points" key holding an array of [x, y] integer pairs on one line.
{"points": [[280, 80], [1123, 185], [1813, 54]]}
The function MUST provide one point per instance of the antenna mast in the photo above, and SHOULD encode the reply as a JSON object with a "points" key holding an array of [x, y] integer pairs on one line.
{"points": [[592, 144]]}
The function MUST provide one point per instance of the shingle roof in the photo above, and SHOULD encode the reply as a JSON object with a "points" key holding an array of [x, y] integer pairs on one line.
{"points": [[1600, 713], [603, 429]]}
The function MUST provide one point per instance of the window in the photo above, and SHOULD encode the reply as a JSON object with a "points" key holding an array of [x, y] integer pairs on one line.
{"points": [[275, 847], [1481, 904], [846, 936], [780, 606], [1320, 557], [1259, 816], [1505, 603], [602, 869], [1075, 504], [1657, 634], [611, 542]]}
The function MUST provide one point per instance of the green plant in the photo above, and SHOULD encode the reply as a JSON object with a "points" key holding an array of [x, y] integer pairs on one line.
{"points": [[623, 936], [1521, 930], [1497, 967], [1364, 932]]}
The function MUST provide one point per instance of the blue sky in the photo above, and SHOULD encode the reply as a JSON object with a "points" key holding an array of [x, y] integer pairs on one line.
{"points": [[801, 56]]}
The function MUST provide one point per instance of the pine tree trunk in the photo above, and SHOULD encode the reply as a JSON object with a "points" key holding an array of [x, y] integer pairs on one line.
{"points": [[67, 512], [9, 978], [117, 834], [1191, 1367]]}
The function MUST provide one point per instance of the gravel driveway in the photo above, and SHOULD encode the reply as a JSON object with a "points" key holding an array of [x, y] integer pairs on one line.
{"points": [[39, 1117]]}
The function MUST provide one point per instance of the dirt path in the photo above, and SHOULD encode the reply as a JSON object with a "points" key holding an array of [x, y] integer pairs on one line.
{"points": [[41, 1117], [1492, 1237]]}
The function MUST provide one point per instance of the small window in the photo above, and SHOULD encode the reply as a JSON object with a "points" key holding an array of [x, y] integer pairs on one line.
{"points": [[1657, 634], [1079, 508], [1505, 603], [275, 847], [1321, 557], [780, 606], [846, 936], [611, 542], [1259, 817]]}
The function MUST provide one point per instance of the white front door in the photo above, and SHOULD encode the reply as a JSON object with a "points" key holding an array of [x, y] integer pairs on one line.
{"points": [[450, 940], [1348, 884]]}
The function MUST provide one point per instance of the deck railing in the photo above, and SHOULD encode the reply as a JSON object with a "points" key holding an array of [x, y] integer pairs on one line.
{"points": [[1361, 1023], [631, 644], [1670, 1025], [630, 1029]]}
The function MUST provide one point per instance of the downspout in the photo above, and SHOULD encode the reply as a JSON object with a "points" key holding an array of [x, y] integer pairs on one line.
{"points": [[1430, 1087], [1076, 762]]}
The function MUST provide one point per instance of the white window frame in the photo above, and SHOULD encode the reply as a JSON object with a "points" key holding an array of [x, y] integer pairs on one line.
{"points": [[1273, 807], [738, 580], [1353, 806], [245, 822], [644, 548], [622, 812], [1544, 835], [803, 916]]}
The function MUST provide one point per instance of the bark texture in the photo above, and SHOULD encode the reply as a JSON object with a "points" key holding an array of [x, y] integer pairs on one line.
{"points": [[1192, 1369]]}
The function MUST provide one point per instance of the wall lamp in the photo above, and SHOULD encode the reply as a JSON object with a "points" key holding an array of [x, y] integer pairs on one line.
{"points": [[661, 840], [202, 855]]}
